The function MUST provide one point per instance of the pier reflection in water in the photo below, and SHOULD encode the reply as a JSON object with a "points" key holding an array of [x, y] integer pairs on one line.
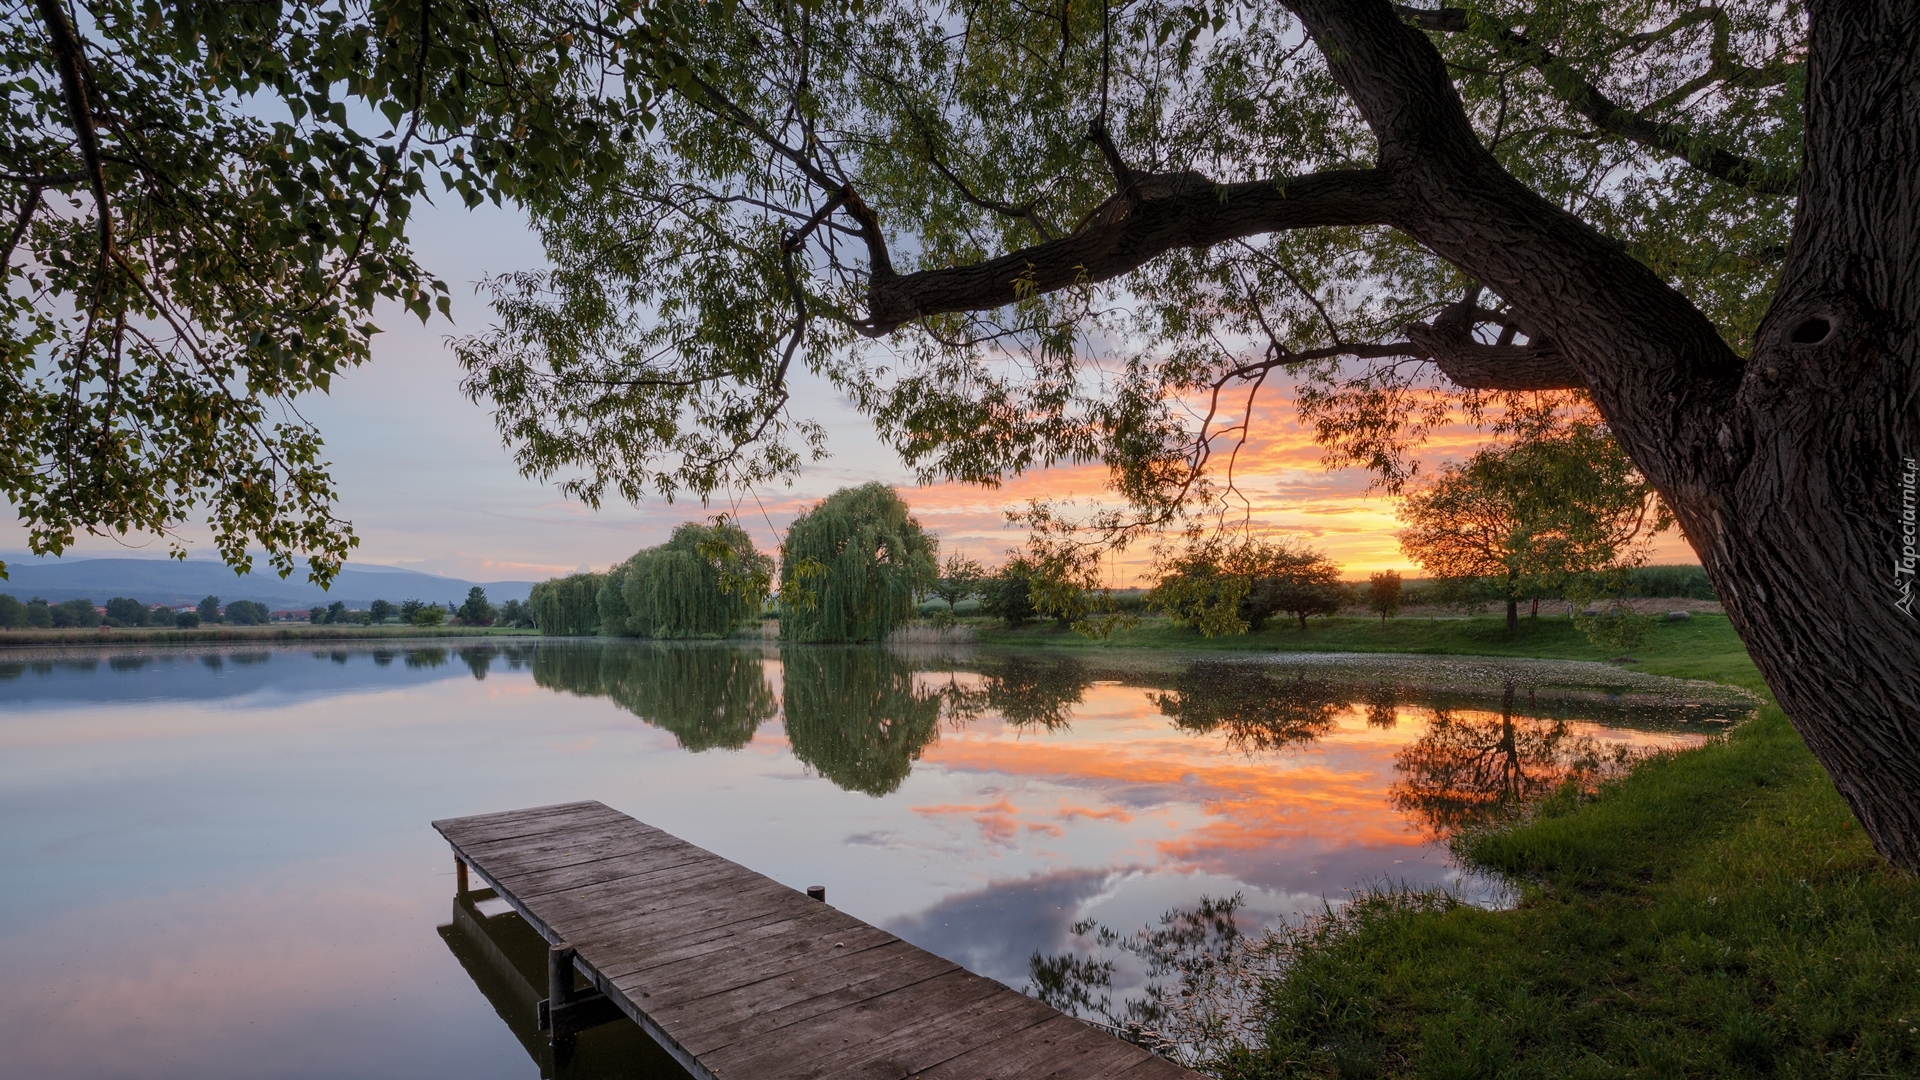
{"points": [[977, 803], [507, 960]]}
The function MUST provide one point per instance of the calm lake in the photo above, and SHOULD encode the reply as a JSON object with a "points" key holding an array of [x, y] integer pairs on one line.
{"points": [[218, 861]]}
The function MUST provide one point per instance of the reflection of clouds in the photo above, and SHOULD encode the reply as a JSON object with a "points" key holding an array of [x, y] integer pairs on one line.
{"points": [[998, 821], [994, 930], [278, 978]]}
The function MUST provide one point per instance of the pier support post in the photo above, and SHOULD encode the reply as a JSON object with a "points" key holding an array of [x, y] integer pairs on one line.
{"points": [[460, 888], [817, 892], [560, 974]]}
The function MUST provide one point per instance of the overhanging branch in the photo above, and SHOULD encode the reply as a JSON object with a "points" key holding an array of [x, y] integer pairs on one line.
{"points": [[1192, 217]]}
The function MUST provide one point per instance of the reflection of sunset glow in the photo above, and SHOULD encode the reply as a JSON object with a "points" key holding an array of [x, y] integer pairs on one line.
{"points": [[1333, 790]]}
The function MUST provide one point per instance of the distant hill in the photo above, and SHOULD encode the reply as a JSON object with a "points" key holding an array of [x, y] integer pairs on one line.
{"points": [[166, 581]]}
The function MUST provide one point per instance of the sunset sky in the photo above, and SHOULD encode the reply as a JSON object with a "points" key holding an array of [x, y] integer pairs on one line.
{"points": [[427, 484]]}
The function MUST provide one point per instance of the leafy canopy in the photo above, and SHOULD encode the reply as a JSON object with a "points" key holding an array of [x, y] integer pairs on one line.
{"points": [[891, 196], [939, 208]]}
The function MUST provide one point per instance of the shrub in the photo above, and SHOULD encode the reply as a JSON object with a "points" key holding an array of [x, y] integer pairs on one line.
{"points": [[248, 613], [1220, 587], [125, 612], [513, 613], [39, 614], [186, 620], [1008, 594], [1671, 582], [429, 615], [75, 613]]}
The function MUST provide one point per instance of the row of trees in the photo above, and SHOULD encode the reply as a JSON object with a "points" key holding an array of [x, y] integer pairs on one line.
{"points": [[1553, 514], [852, 568], [125, 611], [122, 611], [476, 610]]}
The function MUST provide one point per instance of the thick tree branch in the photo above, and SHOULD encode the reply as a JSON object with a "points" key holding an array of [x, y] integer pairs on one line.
{"points": [[72, 67], [1472, 365], [1194, 217], [1606, 114]]}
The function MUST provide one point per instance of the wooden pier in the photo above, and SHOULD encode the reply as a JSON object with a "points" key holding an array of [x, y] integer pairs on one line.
{"points": [[739, 977]]}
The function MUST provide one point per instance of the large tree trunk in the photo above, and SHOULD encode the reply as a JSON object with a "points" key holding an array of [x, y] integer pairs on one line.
{"points": [[1790, 471], [1810, 539]]}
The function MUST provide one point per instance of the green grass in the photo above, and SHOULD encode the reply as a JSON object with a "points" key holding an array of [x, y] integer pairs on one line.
{"points": [[1704, 647], [1716, 913]]}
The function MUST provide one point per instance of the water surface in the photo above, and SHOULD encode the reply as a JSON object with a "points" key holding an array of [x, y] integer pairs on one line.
{"points": [[219, 863]]}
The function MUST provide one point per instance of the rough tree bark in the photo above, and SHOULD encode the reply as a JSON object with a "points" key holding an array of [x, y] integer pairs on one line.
{"points": [[1789, 471]]}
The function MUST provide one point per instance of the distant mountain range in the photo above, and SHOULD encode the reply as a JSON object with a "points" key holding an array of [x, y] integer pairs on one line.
{"points": [[167, 581]]}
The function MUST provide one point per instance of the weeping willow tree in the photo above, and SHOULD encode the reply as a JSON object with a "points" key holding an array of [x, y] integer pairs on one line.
{"points": [[852, 567], [855, 716], [703, 582], [568, 605]]}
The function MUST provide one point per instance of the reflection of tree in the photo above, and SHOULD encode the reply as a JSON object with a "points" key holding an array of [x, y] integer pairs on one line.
{"points": [[1467, 770], [1036, 693], [426, 658], [1254, 710], [707, 697], [854, 715], [478, 660], [1383, 705]]}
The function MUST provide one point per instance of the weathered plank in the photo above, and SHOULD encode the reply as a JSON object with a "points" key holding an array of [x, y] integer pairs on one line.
{"points": [[742, 978]]}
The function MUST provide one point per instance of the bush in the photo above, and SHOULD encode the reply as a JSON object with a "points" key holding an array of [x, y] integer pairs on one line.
{"points": [[248, 613], [186, 620], [122, 611], [13, 613], [1219, 587], [39, 614], [1671, 582], [76, 613], [1008, 594], [428, 615], [513, 613]]}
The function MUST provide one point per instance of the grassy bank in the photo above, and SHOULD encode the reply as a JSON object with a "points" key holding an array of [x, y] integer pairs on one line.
{"points": [[1704, 647], [1715, 913], [107, 635]]}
